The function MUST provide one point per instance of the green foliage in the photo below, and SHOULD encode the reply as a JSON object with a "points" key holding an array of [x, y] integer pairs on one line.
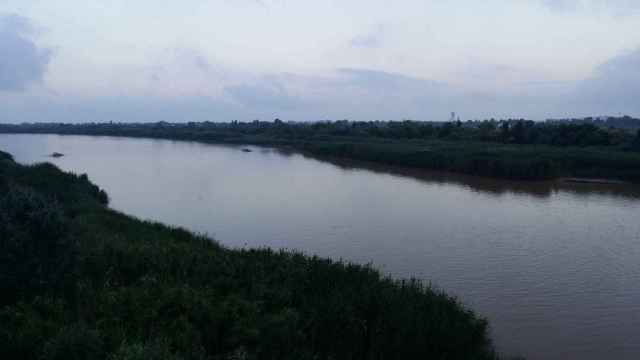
{"points": [[25, 327], [5, 157], [532, 162], [636, 142], [134, 290], [74, 342], [157, 350], [36, 256]]}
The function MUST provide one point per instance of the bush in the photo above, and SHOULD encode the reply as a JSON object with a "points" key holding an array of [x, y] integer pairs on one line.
{"points": [[25, 327], [157, 350], [80, 281], [36, 255], [75, 342]]}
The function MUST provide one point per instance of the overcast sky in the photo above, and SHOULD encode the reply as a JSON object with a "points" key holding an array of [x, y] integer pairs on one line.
{"points": [[221, 60]]}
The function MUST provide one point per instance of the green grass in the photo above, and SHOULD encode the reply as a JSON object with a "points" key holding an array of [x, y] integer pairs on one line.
{"points": [[81, 281]]}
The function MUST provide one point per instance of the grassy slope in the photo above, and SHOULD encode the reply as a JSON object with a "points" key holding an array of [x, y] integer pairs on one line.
{"points": [[82, 281]]}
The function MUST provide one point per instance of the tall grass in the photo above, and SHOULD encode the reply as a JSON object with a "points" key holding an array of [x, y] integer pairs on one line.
{"points": [[81, 281]]}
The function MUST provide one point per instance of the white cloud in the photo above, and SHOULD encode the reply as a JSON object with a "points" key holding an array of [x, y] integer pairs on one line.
{"points": [[371, 39], [614, 87], [266, 95], [423, 60], [615, 7], [22, 62]]}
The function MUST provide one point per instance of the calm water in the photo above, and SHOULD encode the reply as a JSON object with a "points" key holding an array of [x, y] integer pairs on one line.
{"points": [[555, 268]]}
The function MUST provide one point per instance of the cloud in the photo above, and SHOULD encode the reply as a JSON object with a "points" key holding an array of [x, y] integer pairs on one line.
{"points": [[561, 5], [352, 93], [22, 63], [615, 7], [370, 40], [613, 88], [47, 108], [268, 93], [185, 71], [382, 80], [171, 72], [366, 94]]}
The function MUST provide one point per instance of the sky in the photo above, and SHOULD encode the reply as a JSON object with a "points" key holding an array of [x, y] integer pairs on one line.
{"points": [[223, 60]]}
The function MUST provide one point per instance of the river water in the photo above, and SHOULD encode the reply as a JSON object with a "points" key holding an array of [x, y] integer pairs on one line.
{"points": [[554, 267]]}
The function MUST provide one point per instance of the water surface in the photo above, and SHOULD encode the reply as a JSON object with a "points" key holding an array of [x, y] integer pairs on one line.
{"points": [[554, 267]]}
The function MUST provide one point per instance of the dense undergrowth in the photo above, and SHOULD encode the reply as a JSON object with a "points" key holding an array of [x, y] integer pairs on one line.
{"points": [[506, 149], [81, 281]]}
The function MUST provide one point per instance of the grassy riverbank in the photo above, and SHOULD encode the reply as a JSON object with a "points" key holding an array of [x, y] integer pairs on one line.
{"points": [[512, 150], [81, 281]]}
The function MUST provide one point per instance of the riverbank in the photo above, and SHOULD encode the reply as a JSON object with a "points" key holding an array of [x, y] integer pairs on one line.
{"points": [[593, 181], [464, 155], [78, 277]]}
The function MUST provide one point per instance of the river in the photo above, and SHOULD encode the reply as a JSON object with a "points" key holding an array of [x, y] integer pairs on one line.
{"points": [[554, 267]]}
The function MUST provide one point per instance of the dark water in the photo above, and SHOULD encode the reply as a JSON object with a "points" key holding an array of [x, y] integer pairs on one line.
{"points": [[555, 267]]}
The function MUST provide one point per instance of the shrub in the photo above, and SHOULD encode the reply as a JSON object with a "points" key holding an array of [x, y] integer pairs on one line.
{"points": [[75, 342]]}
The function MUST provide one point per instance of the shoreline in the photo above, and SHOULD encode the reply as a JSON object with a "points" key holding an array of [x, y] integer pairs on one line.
{"points": [[581, 180], [127, 271], [504, 162]]}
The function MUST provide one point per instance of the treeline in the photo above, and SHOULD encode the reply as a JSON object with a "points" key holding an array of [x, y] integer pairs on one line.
{"points": [[619, 122], [80, 281], [518, 162], [511, 131], [513, 149]]}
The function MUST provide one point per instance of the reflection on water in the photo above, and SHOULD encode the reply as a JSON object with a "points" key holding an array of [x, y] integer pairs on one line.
{"points": [[541, 189], [554, 266], [498, 187]]}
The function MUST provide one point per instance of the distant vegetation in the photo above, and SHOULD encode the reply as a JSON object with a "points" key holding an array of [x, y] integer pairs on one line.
{"points": [[80, 281], [516, 149], [621, 122]]}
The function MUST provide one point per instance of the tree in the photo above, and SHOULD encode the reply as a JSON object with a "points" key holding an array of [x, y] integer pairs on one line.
{"points": [[519, 132], [504, 131], [636, 141]]}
